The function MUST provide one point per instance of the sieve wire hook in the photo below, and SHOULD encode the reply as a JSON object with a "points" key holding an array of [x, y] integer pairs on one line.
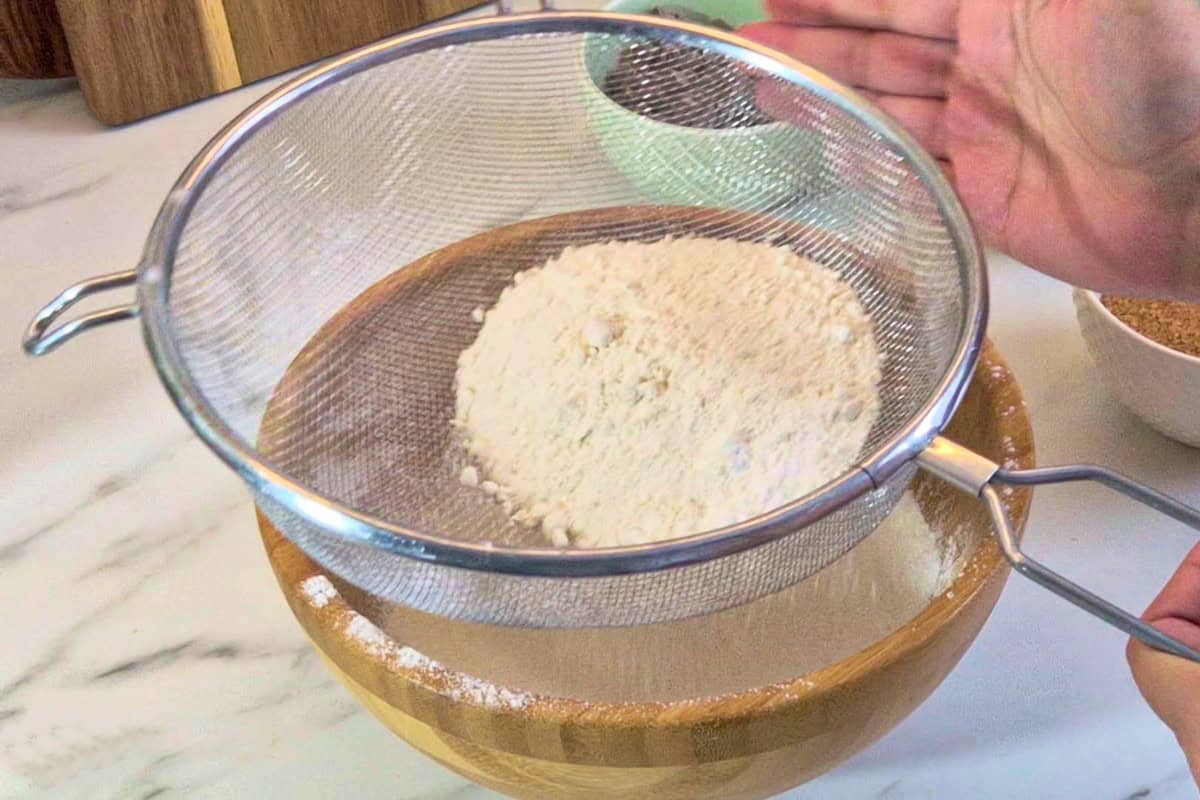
{"points": [[977, 475], [41, 339]]}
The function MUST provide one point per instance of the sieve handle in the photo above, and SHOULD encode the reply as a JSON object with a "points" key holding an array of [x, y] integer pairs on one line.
{"points": [[977, 475], [40, 338]]}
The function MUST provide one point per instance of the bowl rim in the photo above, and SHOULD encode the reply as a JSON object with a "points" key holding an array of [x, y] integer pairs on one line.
{"points": [[1093, 299], [675, 129], [980, 570], [617, 6]]}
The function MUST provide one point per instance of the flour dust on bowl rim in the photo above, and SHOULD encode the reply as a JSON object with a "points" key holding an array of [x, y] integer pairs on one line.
{"points": [[275, 308], [533, 713]]}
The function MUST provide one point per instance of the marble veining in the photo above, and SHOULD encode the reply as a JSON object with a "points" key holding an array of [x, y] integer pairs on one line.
{"points": [[21, 197], [148, 653]]}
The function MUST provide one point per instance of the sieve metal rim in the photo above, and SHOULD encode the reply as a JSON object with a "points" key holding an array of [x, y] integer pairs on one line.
{"points": [[154, 278]]}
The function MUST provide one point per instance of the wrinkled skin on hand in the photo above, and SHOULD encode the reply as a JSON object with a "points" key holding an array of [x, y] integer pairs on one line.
{"points": [[1172, 685], [1071, 128]]}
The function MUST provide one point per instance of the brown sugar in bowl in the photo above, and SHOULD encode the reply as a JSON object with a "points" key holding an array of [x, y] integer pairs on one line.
{"points": [[747, 744], [1156, 382], [1170, 323]]}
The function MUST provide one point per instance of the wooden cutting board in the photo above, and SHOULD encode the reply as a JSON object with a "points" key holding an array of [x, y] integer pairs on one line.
{"points": [[135, 58], [32, 44]]}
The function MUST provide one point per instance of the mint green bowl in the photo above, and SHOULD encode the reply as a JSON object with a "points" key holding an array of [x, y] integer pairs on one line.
{"points": [[752, 169], [735, 12]]}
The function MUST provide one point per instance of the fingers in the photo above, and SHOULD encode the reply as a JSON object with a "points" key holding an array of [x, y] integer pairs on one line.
{"points": [[922, 117], [1176, 610], [1171, 686], [934, 18], [905, 75], [884, 62], [948, 169]]}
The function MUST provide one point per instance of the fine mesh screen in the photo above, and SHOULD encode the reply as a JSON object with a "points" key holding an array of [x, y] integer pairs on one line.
{"points": [[323, 284]]}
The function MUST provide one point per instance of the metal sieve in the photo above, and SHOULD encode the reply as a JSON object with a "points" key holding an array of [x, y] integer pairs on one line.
{"points": [[309, 282]]}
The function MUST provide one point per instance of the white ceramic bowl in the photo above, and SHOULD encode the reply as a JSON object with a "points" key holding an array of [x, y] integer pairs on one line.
{"points": [[1158, 384]]}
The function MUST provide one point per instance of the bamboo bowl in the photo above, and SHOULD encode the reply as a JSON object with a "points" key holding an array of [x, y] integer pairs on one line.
{"points": [[745, 744]]}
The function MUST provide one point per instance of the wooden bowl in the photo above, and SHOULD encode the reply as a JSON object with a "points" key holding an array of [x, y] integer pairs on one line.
{"points": [[745, 744]]}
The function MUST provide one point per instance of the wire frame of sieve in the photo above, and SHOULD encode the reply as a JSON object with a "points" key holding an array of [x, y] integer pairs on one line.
{"points": [[300, 507]]}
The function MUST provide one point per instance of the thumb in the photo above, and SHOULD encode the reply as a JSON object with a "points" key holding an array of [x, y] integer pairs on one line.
{"points": [[1171, 685]]}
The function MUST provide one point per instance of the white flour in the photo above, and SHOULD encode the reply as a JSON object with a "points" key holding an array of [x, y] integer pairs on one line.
{"points": [[630, 392], [463, 688], [872, 591], [319, 591]]}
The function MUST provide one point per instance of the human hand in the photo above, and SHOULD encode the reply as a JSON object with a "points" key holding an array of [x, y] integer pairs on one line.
{"points": [[1071, 128], [1172, 685]]}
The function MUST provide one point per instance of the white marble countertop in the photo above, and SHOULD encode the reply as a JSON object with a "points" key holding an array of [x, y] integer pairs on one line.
{"points": [[148, 652]]}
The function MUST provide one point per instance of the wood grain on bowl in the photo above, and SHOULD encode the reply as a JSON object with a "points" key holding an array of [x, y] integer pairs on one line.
{"points": [[747, 744]]}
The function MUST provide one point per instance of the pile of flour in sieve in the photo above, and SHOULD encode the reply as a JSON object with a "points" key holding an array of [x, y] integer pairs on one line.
{"points": [[631, 392]]}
